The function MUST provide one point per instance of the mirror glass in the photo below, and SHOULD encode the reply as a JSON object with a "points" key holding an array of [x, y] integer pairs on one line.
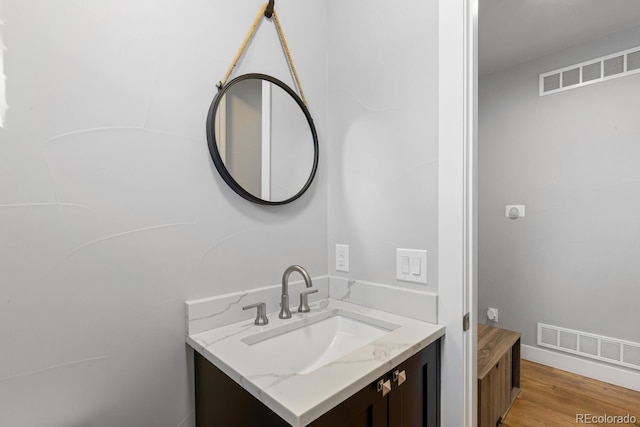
{"points": [[262, 139]]}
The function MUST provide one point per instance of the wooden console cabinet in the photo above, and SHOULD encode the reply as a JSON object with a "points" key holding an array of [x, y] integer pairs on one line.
{"points": [[498, 373]]}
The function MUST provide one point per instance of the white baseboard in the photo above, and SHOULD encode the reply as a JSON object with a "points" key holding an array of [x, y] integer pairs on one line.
{"points": [[587, 368]]}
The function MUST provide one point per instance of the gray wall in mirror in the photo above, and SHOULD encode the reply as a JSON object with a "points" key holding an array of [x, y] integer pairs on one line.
{"points": [[243, 134], [292, 151], [572, 159], [265, 142]]}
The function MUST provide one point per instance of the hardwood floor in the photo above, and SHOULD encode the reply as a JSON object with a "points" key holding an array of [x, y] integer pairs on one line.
{"points": [[551, 397]]}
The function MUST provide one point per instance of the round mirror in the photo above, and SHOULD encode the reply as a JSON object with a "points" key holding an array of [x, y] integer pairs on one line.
{"points": [[262, 139]]}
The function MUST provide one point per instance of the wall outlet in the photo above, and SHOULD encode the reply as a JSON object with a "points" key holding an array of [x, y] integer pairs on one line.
{"points": [[492, 314], [411, 265], [342, 258]]}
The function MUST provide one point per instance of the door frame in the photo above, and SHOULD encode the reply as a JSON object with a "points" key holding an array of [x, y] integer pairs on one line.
{"points": [[457, 200]]}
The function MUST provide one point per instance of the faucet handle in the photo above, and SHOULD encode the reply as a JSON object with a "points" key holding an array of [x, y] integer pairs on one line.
{"points": [[261, 315], [304, 303]]}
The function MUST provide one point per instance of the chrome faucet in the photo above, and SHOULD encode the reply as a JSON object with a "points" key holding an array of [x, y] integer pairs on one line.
{"points": [[284, 300]]}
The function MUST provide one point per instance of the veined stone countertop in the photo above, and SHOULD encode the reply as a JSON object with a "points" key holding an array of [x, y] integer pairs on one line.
{"points": [[300, 399]]}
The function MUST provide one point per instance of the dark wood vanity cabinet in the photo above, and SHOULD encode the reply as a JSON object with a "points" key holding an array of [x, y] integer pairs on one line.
{"points": [[414, 402]]}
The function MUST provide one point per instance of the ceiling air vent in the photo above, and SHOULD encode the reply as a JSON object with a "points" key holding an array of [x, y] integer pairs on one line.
{"points": [[591, 72], [614, 66], [608, 67], [571, 77], [633, 61], [611, 350], [552, 82]]}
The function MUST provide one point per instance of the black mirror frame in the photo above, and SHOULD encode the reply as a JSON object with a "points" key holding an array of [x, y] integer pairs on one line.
{"points": [[215, 154]]}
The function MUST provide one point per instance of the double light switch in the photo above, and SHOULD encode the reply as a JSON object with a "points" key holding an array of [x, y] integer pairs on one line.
{"points": [[411, 265]]}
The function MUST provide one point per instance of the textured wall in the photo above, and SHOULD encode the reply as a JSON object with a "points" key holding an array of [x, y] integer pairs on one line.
{"points": [[572, 159], [111, 212], [383, 143]]}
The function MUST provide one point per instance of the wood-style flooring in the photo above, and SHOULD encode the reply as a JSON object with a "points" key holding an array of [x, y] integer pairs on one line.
{"points": [[551, 397]]}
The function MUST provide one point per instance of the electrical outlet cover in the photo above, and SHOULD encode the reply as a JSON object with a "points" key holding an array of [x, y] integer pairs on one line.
{"points": [[342, 258]]}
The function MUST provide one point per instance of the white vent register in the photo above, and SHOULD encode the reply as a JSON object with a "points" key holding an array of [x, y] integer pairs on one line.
{"points": [[619, 64], [606, 349]]}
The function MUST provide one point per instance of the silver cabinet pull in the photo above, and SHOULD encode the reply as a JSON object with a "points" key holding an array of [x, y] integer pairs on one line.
{"points": [[400, 376], [384, 387], [261, 315]]}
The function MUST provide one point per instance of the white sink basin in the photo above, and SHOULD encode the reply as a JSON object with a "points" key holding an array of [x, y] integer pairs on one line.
{"points": [[309, 344]]}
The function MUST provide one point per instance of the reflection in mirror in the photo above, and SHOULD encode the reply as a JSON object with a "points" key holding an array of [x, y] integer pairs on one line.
{"points": [[264, 139]]}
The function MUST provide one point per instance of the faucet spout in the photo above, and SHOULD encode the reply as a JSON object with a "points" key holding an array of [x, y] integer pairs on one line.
{"points": [[285, 313]]}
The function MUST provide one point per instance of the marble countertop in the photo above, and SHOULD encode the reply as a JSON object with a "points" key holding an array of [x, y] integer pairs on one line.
{"points": [[300, 399]]}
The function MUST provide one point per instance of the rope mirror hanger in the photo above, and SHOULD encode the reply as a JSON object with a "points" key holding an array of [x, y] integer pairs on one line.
{"points": [[268, 11], [260, 133]]}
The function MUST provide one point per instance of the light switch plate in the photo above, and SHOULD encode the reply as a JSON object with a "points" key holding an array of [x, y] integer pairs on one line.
{"points": [[342, 258], [418, 265]]}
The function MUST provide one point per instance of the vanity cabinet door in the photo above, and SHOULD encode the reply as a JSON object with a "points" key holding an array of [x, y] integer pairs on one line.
{"points": [[412, 402], [366, 408], [414, 398], [221, 402]]}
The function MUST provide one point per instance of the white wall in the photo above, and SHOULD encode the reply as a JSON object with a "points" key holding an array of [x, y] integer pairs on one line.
{"points": [[3, 102], [572, 159], [383, 178], [111, 212]]}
